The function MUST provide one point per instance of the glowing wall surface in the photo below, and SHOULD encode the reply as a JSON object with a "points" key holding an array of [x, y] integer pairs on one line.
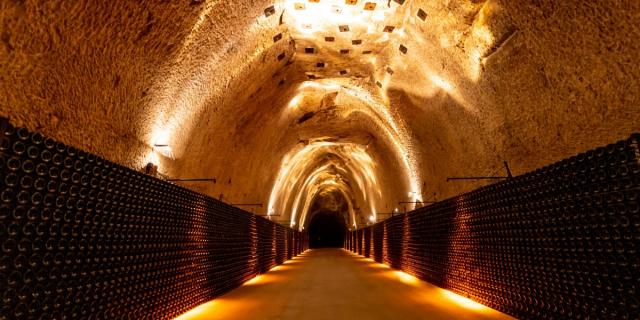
{"points": [[559, 242], [83, 237]]}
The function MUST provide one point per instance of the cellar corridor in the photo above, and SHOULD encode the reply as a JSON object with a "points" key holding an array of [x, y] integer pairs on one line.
{"points": [[331, 159], [334, 283], [327, 230]]}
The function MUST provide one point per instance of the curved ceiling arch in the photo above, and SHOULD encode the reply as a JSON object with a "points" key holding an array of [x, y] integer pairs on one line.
{"points": [[385, 126], [327, 176], [345, 194], [307, 167], [312, 195], [228, 90]]}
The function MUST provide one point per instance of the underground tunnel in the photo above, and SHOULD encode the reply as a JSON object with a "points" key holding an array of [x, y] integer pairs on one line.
{"points": [[326, 230], [327, 226], [319, 159]]}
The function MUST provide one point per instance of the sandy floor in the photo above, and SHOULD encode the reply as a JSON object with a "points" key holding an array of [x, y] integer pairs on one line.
{"points": [[336, 284]]}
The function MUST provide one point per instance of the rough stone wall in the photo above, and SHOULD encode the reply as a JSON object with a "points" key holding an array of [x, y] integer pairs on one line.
{"points": [[81, 71], [559, 81], [480, 82]]}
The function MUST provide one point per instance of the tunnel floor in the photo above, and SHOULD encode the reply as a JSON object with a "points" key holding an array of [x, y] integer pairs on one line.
{"points": [[333, 283]]}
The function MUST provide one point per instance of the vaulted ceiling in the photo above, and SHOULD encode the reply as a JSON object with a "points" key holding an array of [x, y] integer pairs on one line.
{"points": [[291, 103]]}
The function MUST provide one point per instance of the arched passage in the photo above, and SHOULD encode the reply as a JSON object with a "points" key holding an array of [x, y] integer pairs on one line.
{"points": [[328, 219], [267, 105], [327, 229]]}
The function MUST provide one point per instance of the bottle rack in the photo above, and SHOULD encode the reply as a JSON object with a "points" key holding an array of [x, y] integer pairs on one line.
{"points": [[560, 242], [82, 237]]}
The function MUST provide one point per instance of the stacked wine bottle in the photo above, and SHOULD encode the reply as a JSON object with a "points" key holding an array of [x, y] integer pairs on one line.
{"points": [[557, 243], [83, 237]]}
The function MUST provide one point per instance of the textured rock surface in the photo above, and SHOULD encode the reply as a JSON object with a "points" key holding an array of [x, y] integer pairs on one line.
{"points": [[479, 82]]}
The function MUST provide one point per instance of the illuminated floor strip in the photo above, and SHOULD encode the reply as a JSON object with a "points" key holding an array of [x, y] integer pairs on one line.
{"points": [[336, 284]]}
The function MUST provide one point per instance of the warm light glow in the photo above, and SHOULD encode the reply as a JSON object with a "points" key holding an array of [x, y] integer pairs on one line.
{"points": [[406, 278], [161, 137], [180, 98], [153, 158], [256, 280], [394, 129], [320, 166], [314, 18], [441, 83], [482, 40], [200, 311], [372, 219], [265, 277], [162, 142], [301, 177], [275, 275], [431, 293], [464, 302], [475, 62], [295, 101], [319, 86]]}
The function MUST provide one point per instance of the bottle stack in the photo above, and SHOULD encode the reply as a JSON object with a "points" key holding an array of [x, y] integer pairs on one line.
{"points": [[82, 237], [560, 242]]}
